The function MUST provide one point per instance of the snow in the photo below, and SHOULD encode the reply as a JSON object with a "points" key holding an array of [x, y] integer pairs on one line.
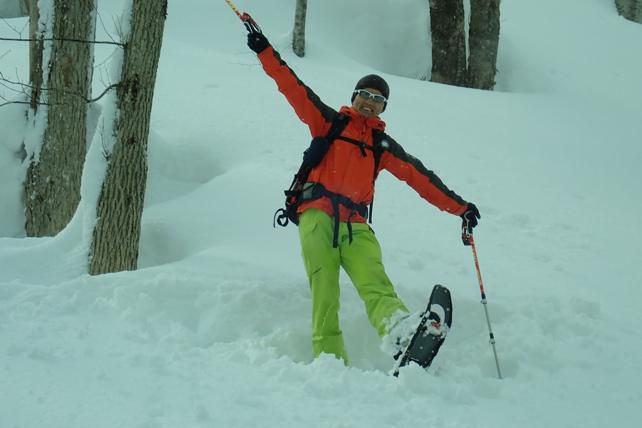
{"points": [[213, 329]]}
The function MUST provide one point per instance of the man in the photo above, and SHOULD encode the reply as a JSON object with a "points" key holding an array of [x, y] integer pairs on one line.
{"points": [[332, 221]]}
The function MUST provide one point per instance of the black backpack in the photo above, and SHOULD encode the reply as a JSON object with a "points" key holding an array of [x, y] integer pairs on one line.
{"points": [[312, 157]]}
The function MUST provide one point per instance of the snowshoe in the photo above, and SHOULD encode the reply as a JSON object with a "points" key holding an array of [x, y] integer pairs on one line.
{"points": [[431, 332]]}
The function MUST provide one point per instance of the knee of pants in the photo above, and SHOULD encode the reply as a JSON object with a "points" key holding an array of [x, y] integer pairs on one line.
{"points": [[325, 318], [325, 301]]}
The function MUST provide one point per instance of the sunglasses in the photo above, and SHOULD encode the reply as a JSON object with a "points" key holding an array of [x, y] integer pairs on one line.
{"points": [[369, 95]]}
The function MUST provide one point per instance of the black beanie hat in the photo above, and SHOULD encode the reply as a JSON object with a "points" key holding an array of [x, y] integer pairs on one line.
{"points": [[372, 81]]}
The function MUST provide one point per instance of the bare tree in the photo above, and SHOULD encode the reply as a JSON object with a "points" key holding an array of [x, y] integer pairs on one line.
{"points": [[630, 9], [448, 42], [52, 185], [298, 37], [13, 8], [116, 236], [36, 46], [28, 8], [483, 43], [449, 62]]}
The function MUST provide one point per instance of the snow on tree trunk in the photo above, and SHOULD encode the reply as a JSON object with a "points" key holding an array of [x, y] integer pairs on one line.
{"points": [[298, 38], [448, 42], [630, 9], [52, 185], [483, 43], [116, 236]]}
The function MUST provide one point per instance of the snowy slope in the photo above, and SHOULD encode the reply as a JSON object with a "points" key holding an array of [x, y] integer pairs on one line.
{"points": [[213, 329]]}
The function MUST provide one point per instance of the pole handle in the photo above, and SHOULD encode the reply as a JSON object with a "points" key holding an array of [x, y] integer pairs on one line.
{"points": [[471, 239]]}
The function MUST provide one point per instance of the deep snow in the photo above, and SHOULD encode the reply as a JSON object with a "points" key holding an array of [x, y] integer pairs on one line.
{"points": [[213, 329]]}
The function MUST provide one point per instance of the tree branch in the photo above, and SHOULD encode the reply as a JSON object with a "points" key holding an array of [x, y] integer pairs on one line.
{"points": [[62, 39], [26, 87], [6, 22], [6, 103], [107, 89]]}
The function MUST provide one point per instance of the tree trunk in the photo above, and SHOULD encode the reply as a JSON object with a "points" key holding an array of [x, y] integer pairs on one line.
{"points": [[630, 9], [298, 37], [36, 46], [116, 235], [448, 42], [13, 8], [52, 185], [483, 42]]}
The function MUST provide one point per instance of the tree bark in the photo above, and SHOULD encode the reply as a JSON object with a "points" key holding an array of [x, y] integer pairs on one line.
{"points": [[630, 9], [36, 46], [448, 42], [116, 235], [483, 43], [52, 185], [298, 37]]}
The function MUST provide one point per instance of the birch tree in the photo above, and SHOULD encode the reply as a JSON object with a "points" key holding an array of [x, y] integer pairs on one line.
{"points": [[116, 235], [298, 36], [59, 98]]}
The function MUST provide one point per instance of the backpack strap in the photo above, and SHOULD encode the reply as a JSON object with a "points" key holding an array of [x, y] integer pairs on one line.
{"points": [[339, 123], [317, 190], [301, 190], [311, 158], [378, 147]]}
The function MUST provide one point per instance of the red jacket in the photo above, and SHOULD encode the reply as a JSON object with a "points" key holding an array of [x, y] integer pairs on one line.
{"points": [[347, 169]]}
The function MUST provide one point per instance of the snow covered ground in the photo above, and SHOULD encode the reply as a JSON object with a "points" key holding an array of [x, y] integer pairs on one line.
{"points": [[213, 329]]}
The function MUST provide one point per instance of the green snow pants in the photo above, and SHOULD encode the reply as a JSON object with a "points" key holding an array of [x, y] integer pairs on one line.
{"points": [[361, 260]]}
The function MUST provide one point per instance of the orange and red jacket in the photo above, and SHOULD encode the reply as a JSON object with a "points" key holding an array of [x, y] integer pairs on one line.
{"points": [[346, 169]]}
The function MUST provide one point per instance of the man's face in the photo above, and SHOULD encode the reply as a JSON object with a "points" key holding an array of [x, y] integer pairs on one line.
{"points": [[366, 105]]}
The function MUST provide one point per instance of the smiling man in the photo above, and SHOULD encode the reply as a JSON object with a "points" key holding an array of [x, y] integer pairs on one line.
{"points": [[370, 96], [338, 191]]}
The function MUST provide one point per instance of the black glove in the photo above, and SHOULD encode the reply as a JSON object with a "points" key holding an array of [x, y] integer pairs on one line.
{"points": [[255, 38], [257, 42], [468, 222]]}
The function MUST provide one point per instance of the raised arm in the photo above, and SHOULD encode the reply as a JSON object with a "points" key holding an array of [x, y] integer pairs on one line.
{"points": [[307, 105]]}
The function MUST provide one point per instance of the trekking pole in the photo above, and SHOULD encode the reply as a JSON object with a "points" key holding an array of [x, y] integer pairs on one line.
{"points": [[471, 240], [245, 17], [234, 8]]}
